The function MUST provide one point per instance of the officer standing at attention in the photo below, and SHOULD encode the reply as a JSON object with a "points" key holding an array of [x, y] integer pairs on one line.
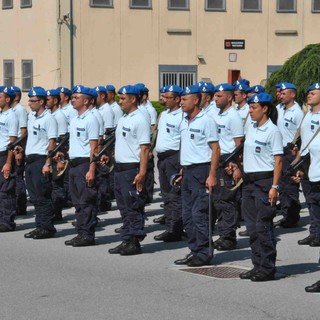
{"points": [[262, 161], [8, 133], [84, 134], [231, 133], [208, 104], [290, 116], [167, 148], [104, 108], [66, 106], [309, 131], [58, 190], [43, 132], [111, 93], [314, 173], [22, 116], [131, 156], [199, 156]]}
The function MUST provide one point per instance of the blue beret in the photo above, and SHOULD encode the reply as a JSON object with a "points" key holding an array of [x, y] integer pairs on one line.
{"points": [[8, 91], [53, 92], [15, 89], [94, 92], [173, 88], [278, 85], [315, 86], [140, 86], [259, 98], [200, 83], [287, 85], [100, 89], [65, 90], [256, 89], [82, 89], [129, 90], [241, 87], [191, 90], [163, 89], [110, 87], [207, 87], [224, 87], [242, 81], [37, 92]]}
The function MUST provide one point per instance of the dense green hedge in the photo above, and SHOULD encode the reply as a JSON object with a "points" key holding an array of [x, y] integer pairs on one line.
{"points": [[302, 69]]}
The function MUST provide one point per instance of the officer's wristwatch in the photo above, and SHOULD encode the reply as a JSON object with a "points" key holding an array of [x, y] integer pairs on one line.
{"points": [[275, 186]]}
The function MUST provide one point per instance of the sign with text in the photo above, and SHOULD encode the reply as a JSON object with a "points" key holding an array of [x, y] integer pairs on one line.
{"points": [[234, 44]]}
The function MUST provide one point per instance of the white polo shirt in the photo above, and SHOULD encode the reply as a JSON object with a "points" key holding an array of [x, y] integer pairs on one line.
{"points": [[229, 127], [168, 137], [132, 131], [9, 127], [289, 121], [40, 130], [195, 139], [260, 147], [83, 128]]}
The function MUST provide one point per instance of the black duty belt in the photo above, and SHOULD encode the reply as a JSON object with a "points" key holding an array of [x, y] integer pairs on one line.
{"points": [[35, 157], [196, 165], [118, 167], [254, 176], [77, 161], [166, 154]]}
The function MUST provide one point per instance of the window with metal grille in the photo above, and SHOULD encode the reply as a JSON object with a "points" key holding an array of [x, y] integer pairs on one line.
{"points": [[215, 5], [178, 4], [101, 3], [25, 3], [8, 73], [180, 75], [140, 4], [289, 6], [315, 6], [251, 6], [27, 74], [7, 4]]}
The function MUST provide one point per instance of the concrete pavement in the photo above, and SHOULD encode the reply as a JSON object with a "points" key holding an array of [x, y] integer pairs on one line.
{"points": [[44, 279]]}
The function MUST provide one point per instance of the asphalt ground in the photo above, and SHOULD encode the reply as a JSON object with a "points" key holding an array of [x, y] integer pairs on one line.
{"points": [[44, 279]]}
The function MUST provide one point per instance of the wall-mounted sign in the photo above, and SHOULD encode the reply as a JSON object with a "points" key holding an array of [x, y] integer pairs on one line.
{"points": [[234, 44]]}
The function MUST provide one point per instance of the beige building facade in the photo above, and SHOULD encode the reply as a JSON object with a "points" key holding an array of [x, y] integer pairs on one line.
{"points": [[151, 41]]}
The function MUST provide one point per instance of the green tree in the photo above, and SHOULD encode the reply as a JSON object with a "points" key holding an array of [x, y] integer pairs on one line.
{"points": [[302, 69]]}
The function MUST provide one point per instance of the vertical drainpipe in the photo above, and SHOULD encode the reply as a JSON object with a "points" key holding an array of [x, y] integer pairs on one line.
{"points": [[71, 46]]}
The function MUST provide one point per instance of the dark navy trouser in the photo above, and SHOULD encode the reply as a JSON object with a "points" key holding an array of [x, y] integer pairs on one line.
{"points": [[171, 197], [39, 189], [7, 198], [21, 190], [226, 204], [195, 209], [84, 199], [258, 216], [130, 204], [289, 192], [315, 209]]}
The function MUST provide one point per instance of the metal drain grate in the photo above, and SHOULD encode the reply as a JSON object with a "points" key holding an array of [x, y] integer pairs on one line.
{"points": [[220, 272]]}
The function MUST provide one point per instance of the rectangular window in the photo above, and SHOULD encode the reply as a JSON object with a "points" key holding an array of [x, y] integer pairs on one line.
{"points": [[140, 4], [27, 74], [251, 6], [287, 6], [7, 4], [101, 3], [8, 73], [178, 4], [315, 6], [180, 75], [215, 5], [26, 4]]}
